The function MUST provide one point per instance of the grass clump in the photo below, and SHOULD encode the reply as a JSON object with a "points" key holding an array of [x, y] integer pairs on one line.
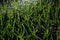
{"points": [[30, 20]]}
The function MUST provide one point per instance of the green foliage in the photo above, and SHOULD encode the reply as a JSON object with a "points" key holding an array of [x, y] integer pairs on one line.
{"points": [[33, 20]]}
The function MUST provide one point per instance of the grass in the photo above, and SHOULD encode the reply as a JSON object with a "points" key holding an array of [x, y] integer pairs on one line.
{"points": [[37, 20]]}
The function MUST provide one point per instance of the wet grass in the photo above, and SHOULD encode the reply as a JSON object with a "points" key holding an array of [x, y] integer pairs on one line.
{"points": [[37, 20]]}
